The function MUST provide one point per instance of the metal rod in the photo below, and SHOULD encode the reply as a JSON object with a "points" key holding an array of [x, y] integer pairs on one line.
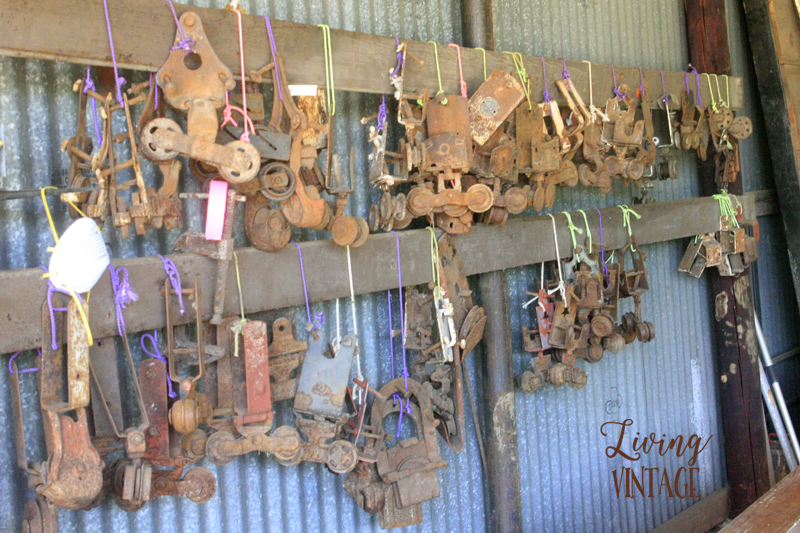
{"points": [[478, 434], [776, 387], [777, 421]]}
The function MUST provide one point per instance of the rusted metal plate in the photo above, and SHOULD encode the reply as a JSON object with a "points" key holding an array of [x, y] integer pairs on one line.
{"points": [[322, 385], [492, 103], [286, 355], [50, 391], [256, 357], [103, 355], [153, 382]]}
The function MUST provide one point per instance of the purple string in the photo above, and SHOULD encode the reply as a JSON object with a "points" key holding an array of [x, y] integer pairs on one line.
{"points": [[174, 278], [382, 114], [123, 294], [663, 86], [50, 290], [399, 60], [544, 75], [89, 85], [697, 79], [24, 370], [565, 74], [616, 89], [274, 50], [602, 246], [156, 89], [156, 354], [402, 330], [186, 43], [119, 81], [319, 317]]}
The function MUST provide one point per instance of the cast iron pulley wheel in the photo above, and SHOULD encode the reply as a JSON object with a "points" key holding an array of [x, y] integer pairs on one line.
{"points": [[279, 181], [214, 445], [203, 484], [251, 156], [203, 171], [267, 228], [147, 144]]}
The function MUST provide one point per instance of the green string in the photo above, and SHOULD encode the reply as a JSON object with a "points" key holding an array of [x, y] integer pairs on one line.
{"points": [[626, 222], [438, 72], [523, 76], [484, 62], [329, 86], [588, 231], [727, 90], [726, 207], [710, 91], [573, 229]]}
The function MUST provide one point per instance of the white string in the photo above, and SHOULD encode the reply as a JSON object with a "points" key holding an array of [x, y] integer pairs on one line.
{"points": [[561, 287], [595, 112], [353, 313], [337, 340], [541, 287]]}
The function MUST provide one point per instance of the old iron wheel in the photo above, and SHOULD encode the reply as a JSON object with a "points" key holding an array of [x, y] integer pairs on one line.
{"points": [[364, 232], [253, 158], [342, 457], [418, 201], [267, 229], [194, 445], [39, 518], [213, 448], [203, 484], [275, 189], [594, 353], [528, 382], [485, 198], [147, 145], [374, 218], [288, 457]]}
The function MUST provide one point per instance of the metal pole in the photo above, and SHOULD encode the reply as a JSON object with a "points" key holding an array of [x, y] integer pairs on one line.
{"points": [[776, 387], [501, 412], [476, 20], [775, 415]]}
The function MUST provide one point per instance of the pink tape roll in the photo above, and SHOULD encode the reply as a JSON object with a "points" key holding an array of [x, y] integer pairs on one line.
{"points": [[215, 215]]}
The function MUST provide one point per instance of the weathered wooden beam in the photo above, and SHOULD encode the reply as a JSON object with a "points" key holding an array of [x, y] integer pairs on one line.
{"points": [[774, 29], [144, 30], [743, 425], [272, 281], [775, 512], [701, 516]]}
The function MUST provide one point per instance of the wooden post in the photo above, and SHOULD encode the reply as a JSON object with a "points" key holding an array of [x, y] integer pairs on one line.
{"points": [[737, 363]]}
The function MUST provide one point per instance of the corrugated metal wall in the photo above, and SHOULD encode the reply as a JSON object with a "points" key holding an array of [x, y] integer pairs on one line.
{"points": [[667, 386]]}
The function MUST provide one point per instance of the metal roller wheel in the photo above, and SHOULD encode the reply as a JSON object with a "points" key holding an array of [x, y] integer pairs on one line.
{"points": [[203, 484], [39, 518], [147, 144], [214, 445], [342, 457], [251, 155], [288, 457], [280, 181]]}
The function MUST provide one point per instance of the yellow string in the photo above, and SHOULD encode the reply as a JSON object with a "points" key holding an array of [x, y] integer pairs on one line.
{"points": [[47, 210], [72, 293], [523, 76], [329, 85], [710, 91], [238, 326], [76, 208], [484, 62], [438, 72], [573, 229], [588, 231], [626, 222]]}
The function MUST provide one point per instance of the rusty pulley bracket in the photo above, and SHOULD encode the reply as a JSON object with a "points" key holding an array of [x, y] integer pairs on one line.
{"points": [[322, 385], [286, 355], [404, 476]]}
